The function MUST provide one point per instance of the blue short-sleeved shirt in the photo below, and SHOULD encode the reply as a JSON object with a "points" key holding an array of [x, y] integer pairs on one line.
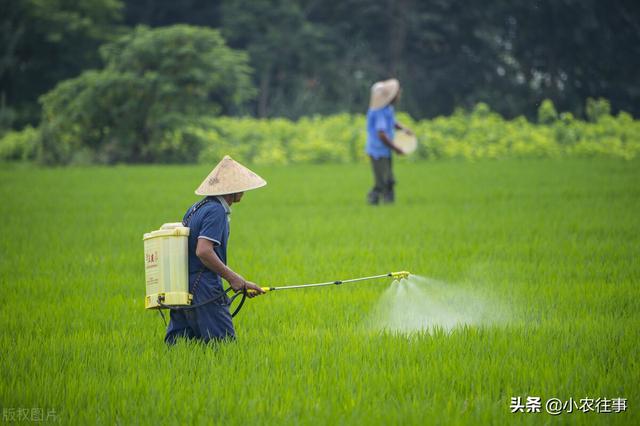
{"points": [[211, 222], [380, 119]]}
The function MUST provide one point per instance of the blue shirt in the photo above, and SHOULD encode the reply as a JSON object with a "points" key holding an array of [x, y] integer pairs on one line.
{"points": [[210, 222], [380, 119]]}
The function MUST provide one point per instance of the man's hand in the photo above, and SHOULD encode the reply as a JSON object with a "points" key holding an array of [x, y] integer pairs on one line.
{"points": [[388, 142], [204, 251], [405, 129], [240, 284]]}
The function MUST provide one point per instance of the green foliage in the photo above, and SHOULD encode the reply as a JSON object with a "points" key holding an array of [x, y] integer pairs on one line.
{"points": [[471, 136], [447, 54], [281, 141], [287, 80], [557, 241], [597, 109], [320, 57], [155, 83], [192, 68], [47, 41], [547, 112], [19, 145], [106, 116]]}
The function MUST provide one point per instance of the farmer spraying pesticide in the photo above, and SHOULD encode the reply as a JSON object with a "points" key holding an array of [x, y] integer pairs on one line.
{"points": [[208, 222], [381, 125], [186, 261]]}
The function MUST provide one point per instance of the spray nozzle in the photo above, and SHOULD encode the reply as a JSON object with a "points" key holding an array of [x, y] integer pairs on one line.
{"points": [[400, 275]]}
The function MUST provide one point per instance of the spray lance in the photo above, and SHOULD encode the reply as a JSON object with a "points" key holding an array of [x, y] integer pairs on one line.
{"points": [[395, 275]]}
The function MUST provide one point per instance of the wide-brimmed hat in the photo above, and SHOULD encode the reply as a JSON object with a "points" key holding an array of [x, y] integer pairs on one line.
{"points": [[383, 92], [229, 177]]}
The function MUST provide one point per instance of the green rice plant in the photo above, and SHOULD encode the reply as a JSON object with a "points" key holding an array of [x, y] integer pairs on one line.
{"points": [[555, 242]]}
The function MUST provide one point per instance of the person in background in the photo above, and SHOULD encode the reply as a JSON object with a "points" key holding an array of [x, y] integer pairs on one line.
{"points": [[381, 124], [208, 222]]}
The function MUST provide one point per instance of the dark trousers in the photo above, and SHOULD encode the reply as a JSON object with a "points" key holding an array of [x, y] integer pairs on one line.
{"points": [[383, 180], [210, 322]]}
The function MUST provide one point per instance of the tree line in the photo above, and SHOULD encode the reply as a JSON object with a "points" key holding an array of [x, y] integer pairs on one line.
{"points": [[310, 57]]}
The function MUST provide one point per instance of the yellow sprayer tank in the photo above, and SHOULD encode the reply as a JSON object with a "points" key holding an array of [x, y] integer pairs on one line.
{"points": [[166, 266]]}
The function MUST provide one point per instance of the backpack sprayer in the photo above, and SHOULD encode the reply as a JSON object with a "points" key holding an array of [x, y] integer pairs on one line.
{"points": [[167, 272]]}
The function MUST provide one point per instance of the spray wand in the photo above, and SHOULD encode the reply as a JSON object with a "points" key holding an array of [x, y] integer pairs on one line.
{"points": [[396, 275]]}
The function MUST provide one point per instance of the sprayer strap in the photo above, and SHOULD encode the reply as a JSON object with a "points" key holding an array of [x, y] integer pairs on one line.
{"points": [[195, 284], [186, 222], [195, 208]]}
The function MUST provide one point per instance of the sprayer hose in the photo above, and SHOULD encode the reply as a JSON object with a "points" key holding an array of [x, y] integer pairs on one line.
{"points": [[211, 300]]}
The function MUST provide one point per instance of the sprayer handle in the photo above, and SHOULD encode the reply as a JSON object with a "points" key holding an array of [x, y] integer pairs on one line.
{"points": [[265, 289]]}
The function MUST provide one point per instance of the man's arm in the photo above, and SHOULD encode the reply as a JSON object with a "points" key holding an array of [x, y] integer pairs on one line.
{"points": [[204, 251], [388, 142], [403, 128]]}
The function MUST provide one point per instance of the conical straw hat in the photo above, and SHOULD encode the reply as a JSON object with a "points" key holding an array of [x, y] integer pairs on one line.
{"points": [[229, 177], [383, 92]]}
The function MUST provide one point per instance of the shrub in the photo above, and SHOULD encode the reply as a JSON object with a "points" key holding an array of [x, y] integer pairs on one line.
{"points": [[547, 113], [340, 138], [597, 109], [139, 108], [19, 145]]}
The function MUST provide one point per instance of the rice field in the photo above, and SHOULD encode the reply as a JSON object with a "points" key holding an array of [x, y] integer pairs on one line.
{"points": [[553, 246]]}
